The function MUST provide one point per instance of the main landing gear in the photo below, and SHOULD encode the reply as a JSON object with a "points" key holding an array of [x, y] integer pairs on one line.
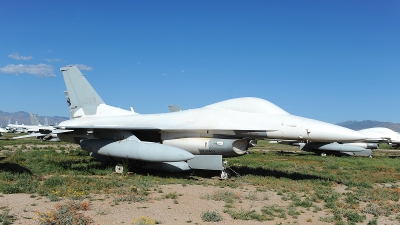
{"points": [[119, 168], [225, 173]]}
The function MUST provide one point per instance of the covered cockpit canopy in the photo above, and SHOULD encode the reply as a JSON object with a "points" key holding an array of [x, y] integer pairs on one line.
{"points": [[248, 104]]}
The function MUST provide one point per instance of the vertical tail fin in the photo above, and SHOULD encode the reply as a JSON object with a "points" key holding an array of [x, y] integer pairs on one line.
{"points": [[82, 99], [31, 117], [34, 119]]}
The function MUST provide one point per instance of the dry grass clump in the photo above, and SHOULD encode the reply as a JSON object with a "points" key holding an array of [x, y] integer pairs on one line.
{"points": [[68, 213], [145, 220]]}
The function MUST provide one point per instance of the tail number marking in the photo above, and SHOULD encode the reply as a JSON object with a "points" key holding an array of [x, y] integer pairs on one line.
{"points": [[89, 101]]}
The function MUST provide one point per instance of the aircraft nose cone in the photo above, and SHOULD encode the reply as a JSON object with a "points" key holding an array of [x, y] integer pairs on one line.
{"points": [[321, 131]]}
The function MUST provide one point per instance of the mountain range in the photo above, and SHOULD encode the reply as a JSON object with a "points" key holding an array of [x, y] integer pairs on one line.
{"points": [[23, 118], [358, 125]]}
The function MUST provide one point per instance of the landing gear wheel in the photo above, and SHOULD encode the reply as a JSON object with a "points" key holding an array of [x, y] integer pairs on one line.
{"points": [[225, 174], [119, 168], [323, 154]]}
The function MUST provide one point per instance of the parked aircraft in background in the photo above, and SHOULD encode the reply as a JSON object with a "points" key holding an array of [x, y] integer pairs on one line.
{"points": [[46, 121], [34, 120], [16, 128], [36, 128], [2, 130], [359, 148], [42, 132], [382, 134], [375, 136], [46, 134], [182, 140]]}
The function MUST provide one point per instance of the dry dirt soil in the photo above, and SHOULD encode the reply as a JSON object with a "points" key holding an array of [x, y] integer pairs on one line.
{"points": [[185, 209]]}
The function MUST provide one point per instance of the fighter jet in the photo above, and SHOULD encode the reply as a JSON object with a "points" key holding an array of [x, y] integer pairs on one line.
{"points": [[382, 134], [34, 119], [2, 130], [375, 136], [45, 134], [42, 132], [26, 128], [358, 148], [186, 139]]}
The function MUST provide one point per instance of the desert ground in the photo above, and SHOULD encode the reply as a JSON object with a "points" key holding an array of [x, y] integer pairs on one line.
{"points": [[186, 208], [205, 199]]}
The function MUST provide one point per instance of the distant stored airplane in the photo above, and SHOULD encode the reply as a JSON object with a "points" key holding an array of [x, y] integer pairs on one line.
{"points": [[382, 134], [375, 136], [2, 130], [42, 132], [324, 148], [34, 119], [186, 139], [16, 128]]}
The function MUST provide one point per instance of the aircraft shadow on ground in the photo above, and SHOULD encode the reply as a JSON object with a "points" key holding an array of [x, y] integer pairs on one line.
{"points": [[259, 171], [242, 171], [286, 153], [13, 167], [82, 166]]}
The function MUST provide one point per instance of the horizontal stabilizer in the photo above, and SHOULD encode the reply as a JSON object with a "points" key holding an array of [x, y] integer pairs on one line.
{"points": [[206, 162]]}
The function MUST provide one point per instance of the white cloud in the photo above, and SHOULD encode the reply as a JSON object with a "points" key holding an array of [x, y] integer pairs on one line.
{"points": [[19, 57], [82, 67], [183, 71], [39, 70]]}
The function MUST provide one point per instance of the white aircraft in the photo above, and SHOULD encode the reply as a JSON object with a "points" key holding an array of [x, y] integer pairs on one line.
{"points": [[18, 128], [375, 136], [357, 148], [186, 139], [34, 120], [2, 130], [46, 121], [25, 128], [382, 134], [42, 132]]}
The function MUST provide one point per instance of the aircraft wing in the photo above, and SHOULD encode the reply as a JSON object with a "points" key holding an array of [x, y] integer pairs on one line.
{"points": [[377, 140], [106, 127], [58, 131], [42, 133], [29, 135], [254, 134]]}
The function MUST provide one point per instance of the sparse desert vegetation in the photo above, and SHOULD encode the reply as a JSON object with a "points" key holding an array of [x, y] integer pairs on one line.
{"points": [[277, 183]]}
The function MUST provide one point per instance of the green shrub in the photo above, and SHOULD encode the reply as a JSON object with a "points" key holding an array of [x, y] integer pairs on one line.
{"points": [[6, 218], [211, 216]]}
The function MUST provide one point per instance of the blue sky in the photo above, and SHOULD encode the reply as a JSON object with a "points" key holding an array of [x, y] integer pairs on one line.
{"points": [[328, 60]]}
